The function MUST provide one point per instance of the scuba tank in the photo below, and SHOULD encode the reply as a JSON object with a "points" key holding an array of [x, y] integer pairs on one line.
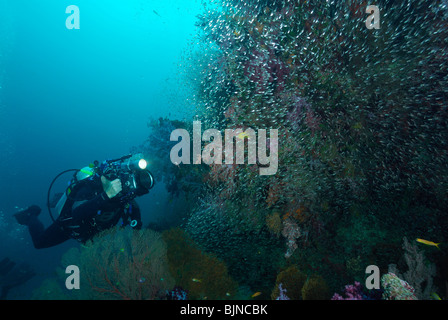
{"points": [[80, 175]]}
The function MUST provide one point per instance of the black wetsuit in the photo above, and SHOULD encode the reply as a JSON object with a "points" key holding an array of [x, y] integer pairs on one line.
{"points": [[87, 211]]}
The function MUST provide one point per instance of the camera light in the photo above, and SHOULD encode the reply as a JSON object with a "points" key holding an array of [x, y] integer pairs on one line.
{"points": [[142, 164]]}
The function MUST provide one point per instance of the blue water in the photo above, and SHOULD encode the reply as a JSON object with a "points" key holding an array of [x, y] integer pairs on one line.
{"points": [[69, 97]]}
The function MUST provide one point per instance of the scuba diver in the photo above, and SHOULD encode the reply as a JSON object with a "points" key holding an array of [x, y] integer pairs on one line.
{"points": [[96, 199]]}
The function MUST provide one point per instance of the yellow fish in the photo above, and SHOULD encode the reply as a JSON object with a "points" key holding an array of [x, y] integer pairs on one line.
{"points": [[196, 280], [429, 243], [435, 296], [256, 294]]}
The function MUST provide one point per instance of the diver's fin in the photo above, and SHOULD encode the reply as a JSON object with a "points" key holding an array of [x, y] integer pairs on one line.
{"points": [[23, 217]]}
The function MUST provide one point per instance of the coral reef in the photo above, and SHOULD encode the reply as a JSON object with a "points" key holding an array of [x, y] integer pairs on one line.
{"points": [[202, 275], [356, 292], [315, 288], [290, 280], [337, 142], [177, 179], [282, 293], [274, 223], [293, 284], [239, 237], [122, 264], [420, 271], [396, 288], [361, 138], [351, 292], [177, 294], [291, 231]]}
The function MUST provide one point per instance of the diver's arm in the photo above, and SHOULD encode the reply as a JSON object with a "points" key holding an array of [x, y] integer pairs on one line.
{"points": [[91, 207], [111, 188]]}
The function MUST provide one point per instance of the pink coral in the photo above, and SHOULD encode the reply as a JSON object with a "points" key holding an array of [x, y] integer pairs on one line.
{"points": [[352, 292], [265, 68], [312, 120]]}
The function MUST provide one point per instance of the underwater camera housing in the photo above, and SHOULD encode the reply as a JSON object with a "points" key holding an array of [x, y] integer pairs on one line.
{"points": [[136, 180]]}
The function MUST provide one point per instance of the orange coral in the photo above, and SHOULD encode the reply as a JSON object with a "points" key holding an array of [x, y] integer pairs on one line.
{"points": [[315, 288], [202, 275], [299, 214], [274, 223], [272, 197], [275, 190]]}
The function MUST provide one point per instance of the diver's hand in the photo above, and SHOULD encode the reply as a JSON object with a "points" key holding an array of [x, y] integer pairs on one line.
{"points": [[111, 188]]}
